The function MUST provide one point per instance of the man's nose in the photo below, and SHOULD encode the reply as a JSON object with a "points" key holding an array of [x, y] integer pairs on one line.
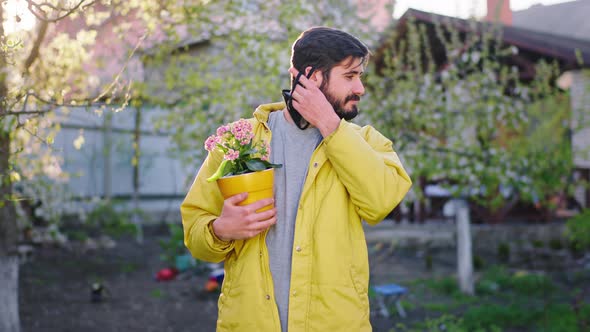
{"points": [[358, 88]]}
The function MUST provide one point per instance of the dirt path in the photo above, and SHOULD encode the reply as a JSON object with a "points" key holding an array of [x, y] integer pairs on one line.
{"points": [[55, 290]]}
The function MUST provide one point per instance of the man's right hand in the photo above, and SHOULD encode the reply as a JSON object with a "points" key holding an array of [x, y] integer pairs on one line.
{"points": [[243, 222]]}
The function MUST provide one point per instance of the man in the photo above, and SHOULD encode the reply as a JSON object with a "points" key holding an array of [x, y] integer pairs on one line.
{"points": [[303, 265]]}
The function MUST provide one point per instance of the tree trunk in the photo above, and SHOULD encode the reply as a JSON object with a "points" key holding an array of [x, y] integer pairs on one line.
{"points": [[9, 318]]}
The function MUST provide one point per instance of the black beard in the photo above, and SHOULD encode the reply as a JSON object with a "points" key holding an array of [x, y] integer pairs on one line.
{"points": [[338, 104]]}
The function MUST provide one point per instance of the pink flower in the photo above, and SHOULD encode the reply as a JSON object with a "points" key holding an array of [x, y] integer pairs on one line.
{"points": [[242, 131], [231, 155], [211, 142], [232, 138], [222, 130]]}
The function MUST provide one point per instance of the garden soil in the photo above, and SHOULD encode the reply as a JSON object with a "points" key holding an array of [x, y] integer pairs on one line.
{"points": [[56, 287]]}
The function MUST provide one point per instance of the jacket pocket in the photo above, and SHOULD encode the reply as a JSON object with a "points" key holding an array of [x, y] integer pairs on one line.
{"points": [[359, 269], [227, 284]]}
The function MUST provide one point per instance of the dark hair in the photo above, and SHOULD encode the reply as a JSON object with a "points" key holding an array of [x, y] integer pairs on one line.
{"points": [[323, 48]]}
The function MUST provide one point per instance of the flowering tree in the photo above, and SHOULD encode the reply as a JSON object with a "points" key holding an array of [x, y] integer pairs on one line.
{"points": [[42, 69], [472, 124], [29, 80], [236, 61]]}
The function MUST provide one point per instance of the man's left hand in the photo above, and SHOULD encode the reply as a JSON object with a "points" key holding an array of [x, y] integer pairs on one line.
{"points": [[312, 104]]}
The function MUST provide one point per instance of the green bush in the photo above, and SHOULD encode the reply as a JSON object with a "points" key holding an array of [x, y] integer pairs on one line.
{"points": [[503, 252], [532, 284], [440, 307], [557, 318], [578, 230], [76, 235], [407, 305], [478, 262], [502, 316], [486, 287], [174, 245], [107, 218], [497, 275], [428, 261], [555, 244], [584, 316], [453, 324], [447, 285]]}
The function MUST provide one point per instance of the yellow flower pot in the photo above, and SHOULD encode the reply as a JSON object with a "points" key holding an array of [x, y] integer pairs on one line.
{"points": [[259, 185]]}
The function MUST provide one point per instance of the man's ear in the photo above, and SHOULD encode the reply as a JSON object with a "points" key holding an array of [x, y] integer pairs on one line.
{"points": [[316, 77]]}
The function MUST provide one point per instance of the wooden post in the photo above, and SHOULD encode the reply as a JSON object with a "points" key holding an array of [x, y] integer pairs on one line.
{"points": [[586, 177], [107, 146], [136, 155], [464, 249]]}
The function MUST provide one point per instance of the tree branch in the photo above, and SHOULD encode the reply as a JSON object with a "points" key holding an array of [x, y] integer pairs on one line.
{"points": [[36, 46], [43, 17], [17, 113], [24, 111], [41, 139], [118, 76]]}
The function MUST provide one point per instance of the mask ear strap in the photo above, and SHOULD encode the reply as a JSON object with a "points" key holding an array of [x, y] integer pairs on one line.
{"points": [[290, 107], [296, 82], [294, 114]]}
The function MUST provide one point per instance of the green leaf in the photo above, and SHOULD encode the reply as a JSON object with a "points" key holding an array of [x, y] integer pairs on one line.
{"points": [[255, 165], [269, 165]]}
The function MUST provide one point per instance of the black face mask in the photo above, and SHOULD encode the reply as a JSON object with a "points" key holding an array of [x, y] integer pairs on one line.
{"points": [[299, 120]]}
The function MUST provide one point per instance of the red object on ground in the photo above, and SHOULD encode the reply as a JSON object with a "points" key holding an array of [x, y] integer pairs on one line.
{"points": [[211, 285], [166, 274]]}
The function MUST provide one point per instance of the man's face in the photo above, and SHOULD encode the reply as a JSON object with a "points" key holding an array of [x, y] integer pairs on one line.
{"points": [[344, 88]]}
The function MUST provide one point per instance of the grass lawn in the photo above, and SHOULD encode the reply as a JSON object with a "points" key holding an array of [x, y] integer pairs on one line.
{"points": [[505, 300]]}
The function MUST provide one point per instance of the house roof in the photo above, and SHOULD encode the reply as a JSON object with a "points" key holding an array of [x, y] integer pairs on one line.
{"points": [[565, 19], [541, 43]]}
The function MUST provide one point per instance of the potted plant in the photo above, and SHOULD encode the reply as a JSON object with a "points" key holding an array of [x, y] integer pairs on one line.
{"points": [[245, 166]]}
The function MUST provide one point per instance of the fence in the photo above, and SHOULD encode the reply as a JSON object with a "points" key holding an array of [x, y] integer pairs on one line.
{"points": [[103, 166]]}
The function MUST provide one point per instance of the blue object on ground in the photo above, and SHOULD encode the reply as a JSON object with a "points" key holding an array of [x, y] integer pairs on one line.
{"points": [[218, 274], [390, 293], [184, 262]]}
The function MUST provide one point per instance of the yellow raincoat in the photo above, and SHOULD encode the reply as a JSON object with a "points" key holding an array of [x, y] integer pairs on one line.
{"points": [[353, 175]]}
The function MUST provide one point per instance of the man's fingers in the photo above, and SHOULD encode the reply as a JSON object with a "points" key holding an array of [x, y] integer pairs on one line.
{"points": [[264, 215], [261, 226], [302, 79], [260, 204], [296, 95], [236, 199], [293, 71]]}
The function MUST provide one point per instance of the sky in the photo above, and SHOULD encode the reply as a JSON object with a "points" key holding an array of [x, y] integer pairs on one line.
{"points": [[14, 9], [461, 8], [457, 8]]}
